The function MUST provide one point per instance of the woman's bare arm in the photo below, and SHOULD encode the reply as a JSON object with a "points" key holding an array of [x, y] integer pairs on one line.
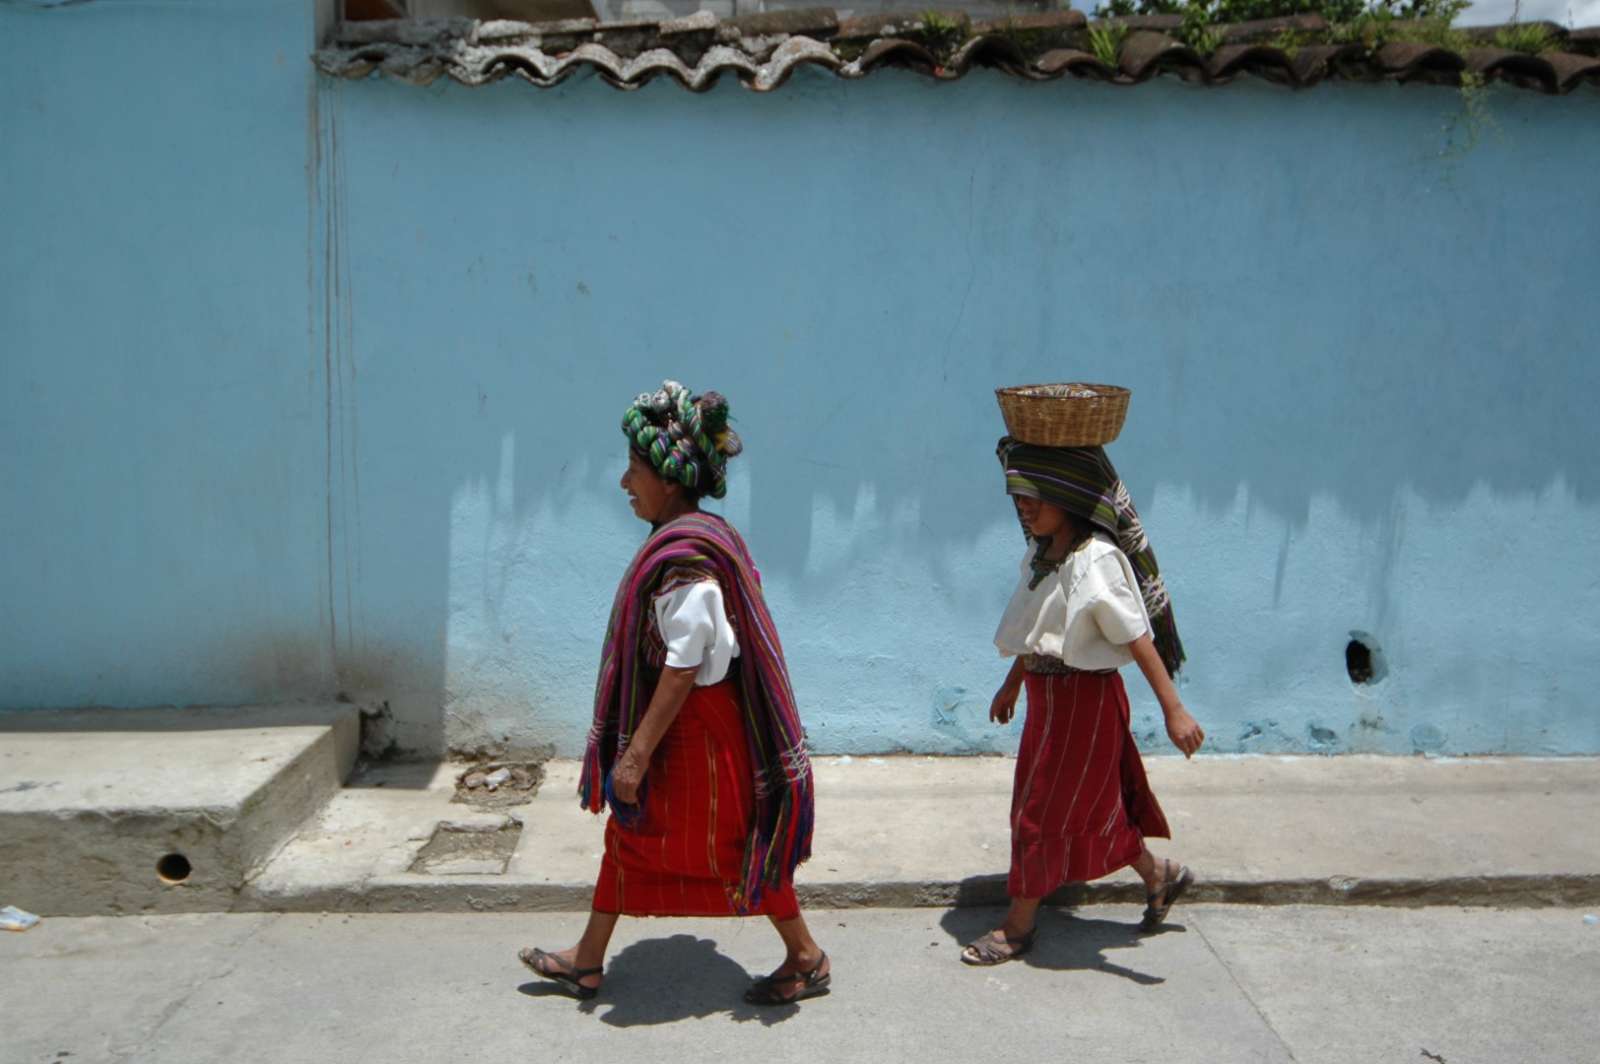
{"points": [[672, 690], [1184, 731], [1005, 699]]}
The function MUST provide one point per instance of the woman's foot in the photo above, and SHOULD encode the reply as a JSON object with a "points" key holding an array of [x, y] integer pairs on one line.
{"points": [[997, 947], [563, 968], [798, 978], [1175, 879]]}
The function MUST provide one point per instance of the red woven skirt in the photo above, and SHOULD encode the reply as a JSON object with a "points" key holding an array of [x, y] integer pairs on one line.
{"points": [[686, 856], [1081, 805]]}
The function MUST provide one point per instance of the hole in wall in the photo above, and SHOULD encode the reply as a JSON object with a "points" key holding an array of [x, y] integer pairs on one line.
{"points": [[174, 868], [1358, 661], [1363, 660]]}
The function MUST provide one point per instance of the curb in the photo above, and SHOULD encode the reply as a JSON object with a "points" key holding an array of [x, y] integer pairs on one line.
{"points": [[483, 894]]}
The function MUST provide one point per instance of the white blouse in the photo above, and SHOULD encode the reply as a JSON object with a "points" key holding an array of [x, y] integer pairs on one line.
{"points": [[1085, 613], [694, 625]]}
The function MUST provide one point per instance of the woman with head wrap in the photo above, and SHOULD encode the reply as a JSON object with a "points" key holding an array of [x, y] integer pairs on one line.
{"points": [[1090, 600], [696, 743]]}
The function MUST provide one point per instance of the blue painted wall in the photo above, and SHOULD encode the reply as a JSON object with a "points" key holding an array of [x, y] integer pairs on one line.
{"points": [[313, 387], [163, 512]]}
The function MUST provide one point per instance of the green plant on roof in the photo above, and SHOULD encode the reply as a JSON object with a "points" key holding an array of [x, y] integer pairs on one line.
{"points": [[1235, 11], [1229, 11], [1289, 42], [1370, 23], [942, 33], [1367, 24], [1370, 29], [1196, 30], [1105, 42], [1529, 37], [1435, 30]]}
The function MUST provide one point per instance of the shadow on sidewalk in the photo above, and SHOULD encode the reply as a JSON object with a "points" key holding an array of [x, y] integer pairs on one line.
{"points": [[1065, 942], [664, 980]]}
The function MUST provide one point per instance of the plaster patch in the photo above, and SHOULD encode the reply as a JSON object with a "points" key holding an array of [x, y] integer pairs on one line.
{"points": [[1322, 739], [1426, 738]]}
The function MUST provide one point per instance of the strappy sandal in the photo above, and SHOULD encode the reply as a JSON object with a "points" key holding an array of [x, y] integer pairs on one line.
{"points": [[1155, 915], [560, 971], [989, 950], [764, 991]]}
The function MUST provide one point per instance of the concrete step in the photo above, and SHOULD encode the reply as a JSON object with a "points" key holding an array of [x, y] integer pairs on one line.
{"points": [[158, 810], [920, 831]]}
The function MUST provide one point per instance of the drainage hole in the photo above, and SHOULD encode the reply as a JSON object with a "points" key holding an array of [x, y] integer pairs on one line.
{"points": [[174, 868], [1363, 660], [1358, 661]]}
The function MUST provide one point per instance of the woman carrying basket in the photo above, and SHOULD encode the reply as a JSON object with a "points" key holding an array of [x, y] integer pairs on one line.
{"points": [[696, 742], [1090, 600]]}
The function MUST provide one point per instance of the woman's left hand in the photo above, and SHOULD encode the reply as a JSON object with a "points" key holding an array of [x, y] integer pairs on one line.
{"points": [[1184, 731], [627, 777]]}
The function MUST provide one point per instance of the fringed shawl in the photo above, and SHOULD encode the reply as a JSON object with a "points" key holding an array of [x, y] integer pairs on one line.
{"points": [[781, 837], [1082, 481]]}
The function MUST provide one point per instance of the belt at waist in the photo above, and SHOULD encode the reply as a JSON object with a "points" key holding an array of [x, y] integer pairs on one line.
{"points": [[1046, 665]]}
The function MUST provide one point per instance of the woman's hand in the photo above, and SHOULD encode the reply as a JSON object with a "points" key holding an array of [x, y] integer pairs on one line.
{"points": [[672, 690], [627, 776], [1004, 706], [1184, 730]]}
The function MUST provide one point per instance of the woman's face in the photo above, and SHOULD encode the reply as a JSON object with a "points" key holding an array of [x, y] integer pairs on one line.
{"points": [[650, 496], [1041, 518]]}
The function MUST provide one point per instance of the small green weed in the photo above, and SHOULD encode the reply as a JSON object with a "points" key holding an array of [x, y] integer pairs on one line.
{"points": [[942, 33], [1463, 131], [1106, 43], [1289, 42], [1196, 30], [1531, 38], [1370, 29]]}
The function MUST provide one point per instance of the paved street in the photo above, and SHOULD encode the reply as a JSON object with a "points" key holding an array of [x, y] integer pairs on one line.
{"points": [[1224, 984]]}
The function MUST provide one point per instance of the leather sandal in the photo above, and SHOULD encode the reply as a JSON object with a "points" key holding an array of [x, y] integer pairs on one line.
{"points": [[559, 971], [1155, 915], [764, 991], [991, 949]]}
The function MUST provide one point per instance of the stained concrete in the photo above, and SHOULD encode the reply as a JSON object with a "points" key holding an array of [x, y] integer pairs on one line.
{"points": [[91, 801], [1504, 986], [1224, 984], [914, 831]]}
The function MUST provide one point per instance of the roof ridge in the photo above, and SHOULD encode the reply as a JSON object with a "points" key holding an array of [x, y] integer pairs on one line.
{"points": [[764, 50]]}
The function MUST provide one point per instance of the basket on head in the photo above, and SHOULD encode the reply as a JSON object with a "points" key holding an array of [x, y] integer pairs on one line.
{"points": [[1064, 415]]}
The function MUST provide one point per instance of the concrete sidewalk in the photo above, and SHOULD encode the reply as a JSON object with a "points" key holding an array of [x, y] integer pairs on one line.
{"points": [[921, 831], [1222, 985], [107, 811]]}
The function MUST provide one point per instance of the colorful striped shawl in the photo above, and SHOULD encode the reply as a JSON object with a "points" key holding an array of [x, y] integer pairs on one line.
{"points": [[1082, 481], [781, 837]]}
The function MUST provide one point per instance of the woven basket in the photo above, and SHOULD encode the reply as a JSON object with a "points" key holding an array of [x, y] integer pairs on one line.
{"points": [[1064, 415]]}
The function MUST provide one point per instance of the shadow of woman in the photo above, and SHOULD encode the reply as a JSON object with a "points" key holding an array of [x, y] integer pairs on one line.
{"points": [[1065, 942], [665, 980]]}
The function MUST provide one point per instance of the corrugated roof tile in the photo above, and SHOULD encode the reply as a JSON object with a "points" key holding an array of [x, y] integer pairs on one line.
{"points": [[764, 51]]}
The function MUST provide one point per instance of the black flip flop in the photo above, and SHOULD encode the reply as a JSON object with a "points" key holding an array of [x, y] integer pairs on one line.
{"points": [[562, 972], [1155, 915], [764, 991]]}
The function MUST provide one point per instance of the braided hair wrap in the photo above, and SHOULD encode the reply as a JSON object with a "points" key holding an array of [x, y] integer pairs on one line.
{"points": [[686, 438]]}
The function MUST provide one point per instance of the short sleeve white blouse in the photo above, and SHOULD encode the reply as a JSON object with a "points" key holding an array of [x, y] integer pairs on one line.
{"points": [[1086, 612], [694, 625]]}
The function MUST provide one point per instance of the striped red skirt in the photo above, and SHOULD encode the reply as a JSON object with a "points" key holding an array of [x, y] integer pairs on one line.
{"points": [[1081, 806], [686, 856]]}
